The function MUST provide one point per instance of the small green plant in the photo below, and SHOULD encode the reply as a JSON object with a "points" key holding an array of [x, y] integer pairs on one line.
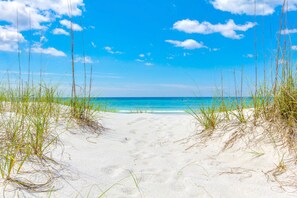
{"points": [[225, 109], [84, 113], [207, 116], [40, 133], [238, 113], [14, 148]]}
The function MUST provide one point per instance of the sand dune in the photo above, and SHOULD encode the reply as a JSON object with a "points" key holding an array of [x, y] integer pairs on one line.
{"points": [[151, 155]]}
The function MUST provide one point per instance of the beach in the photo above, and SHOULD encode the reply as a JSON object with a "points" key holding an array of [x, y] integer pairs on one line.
{"points": [[149, 99], [157, 155]]}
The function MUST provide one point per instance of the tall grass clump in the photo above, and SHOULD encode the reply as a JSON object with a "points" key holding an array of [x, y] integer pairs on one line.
{"points": [[29, 114], [15, 149], [273, 103], [81, 108], [26, 134], [207, 116]]}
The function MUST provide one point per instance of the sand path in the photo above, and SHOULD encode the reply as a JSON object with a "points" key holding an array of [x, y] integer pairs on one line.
{"points": [[140, 155]]}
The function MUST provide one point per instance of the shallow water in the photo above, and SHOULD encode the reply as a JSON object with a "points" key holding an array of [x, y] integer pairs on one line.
{"points": [[158, 104]]}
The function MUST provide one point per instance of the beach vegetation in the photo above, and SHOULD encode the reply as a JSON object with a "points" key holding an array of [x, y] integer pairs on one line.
{"points": [[272, 106], [29, 114], [207, 116]]}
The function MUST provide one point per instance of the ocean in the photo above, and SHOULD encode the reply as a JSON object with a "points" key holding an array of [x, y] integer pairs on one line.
{"points": [[156, 104]]}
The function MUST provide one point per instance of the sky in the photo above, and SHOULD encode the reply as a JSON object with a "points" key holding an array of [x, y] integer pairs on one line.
{"points": [[142, 48]]}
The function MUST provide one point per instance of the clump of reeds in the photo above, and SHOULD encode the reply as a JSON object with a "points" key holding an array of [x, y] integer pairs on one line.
{"points": [[28, 117], [25, 133], [274, 105], [81, 107], [207, 116]]}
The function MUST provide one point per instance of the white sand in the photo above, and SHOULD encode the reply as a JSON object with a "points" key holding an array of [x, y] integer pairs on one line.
{"points": [[152, 149]]}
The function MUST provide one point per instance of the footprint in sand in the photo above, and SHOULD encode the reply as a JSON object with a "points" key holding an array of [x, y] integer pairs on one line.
{"points": [[140, 143], [133, 131], [136, 121], [113, 171], [125, 140], [127, 190]]}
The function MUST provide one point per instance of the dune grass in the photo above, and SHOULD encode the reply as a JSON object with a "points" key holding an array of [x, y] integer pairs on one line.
{"points": [[25, 128], [29, 114], [28, 120], [273, 106]]}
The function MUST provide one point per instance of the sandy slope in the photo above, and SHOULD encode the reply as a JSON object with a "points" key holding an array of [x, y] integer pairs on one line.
{"points": [[151, 149]]}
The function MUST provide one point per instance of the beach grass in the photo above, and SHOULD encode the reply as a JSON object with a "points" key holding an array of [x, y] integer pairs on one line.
{"points": [[273, 107], [29, 116]]}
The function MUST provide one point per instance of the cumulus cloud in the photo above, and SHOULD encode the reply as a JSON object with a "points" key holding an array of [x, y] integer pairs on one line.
{"points": [[187, 44], [86, 59], [61, 7], [249, 56], [214, 49], [248, 7], [149, 64], [186, 54], [294, 47], [111, 51], [9, 39], [20, 12], [229, 29], [139, 60], [289, 31], [68, 25], [38, 15], [49, 51], [60, 31]]}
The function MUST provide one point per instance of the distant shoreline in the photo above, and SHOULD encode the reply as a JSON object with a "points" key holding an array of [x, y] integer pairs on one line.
{"points": [[158, 104]]}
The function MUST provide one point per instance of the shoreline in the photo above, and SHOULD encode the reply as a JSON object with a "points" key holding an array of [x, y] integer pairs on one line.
{"points": [[151, 112]]}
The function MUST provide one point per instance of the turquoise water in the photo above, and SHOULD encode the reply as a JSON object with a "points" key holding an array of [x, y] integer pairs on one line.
{"points": [[156, 105]]}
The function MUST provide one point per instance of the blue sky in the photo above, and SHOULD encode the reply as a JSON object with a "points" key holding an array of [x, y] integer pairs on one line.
{"points": [[143, 47]]}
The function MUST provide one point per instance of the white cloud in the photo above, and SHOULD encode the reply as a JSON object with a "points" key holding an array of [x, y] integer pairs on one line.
{"points": [[215, 49], [177, 86], [37, 12], [60, 31], [68, 24], [93, 45], [9, 38], [294, 47], [248, 7], [86, 59], [50, 51], [187, 44], [61, 7], [111, 51], [17, 14], [249, 56], [38, 15], [145, 58], [186, 54], [149, 64], [227, 30], [139, 60], [289, 31], [43, 39]]}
